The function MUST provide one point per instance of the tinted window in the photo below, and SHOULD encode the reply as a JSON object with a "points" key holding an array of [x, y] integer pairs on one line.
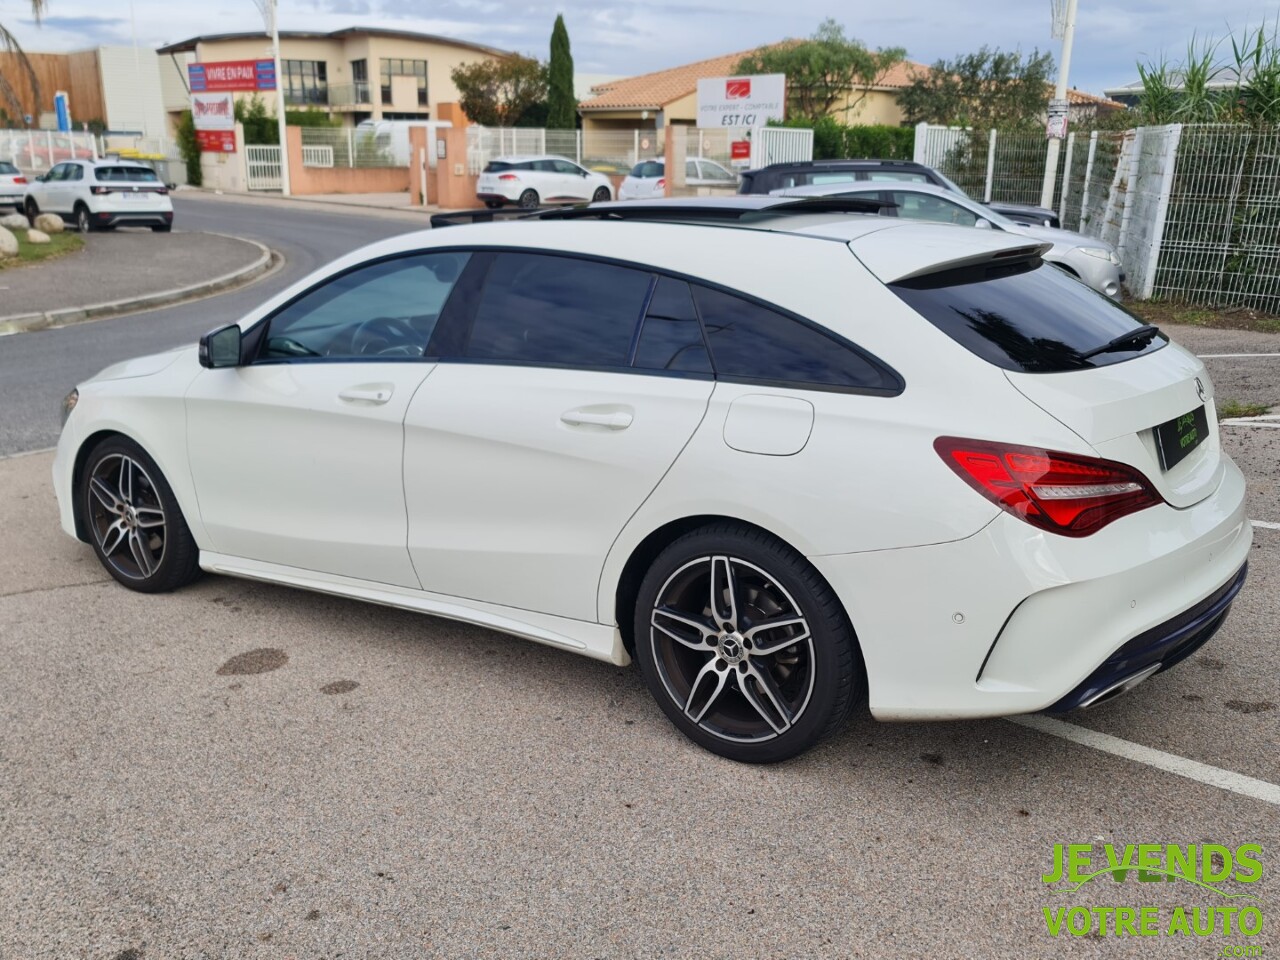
{"points": [[564, 166], [543, 166], [387, 309], [901, 176], [58, 173], [7, 168], [497, 166], [671, 338], [752, 342], [713, 171], [835, 176], [126, 175], [924, 206], [1030, 317], [647, 169], [557, 310]]}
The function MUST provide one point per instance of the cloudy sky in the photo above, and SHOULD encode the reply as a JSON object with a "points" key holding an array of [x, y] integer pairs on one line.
{"points": [[634, 36]]}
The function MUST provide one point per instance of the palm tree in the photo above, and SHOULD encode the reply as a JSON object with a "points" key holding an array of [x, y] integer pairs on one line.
{"points": [[9, 44]]}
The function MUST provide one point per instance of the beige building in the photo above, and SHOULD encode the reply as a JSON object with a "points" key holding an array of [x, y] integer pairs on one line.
{"points": [[355, 74], [670, 97]]}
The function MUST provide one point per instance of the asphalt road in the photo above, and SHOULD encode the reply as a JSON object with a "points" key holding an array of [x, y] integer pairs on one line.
{"points": [[37, 369], [242, 770]]}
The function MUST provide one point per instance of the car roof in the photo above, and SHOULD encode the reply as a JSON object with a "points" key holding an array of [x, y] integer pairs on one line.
{"points": [[526, 157], [863, 186], [851, 163]]}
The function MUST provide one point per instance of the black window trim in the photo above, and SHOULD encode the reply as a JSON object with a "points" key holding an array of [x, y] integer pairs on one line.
{"points": [[458, 324]]}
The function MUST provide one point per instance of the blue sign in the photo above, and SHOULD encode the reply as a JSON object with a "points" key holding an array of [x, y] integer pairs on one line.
{"points": [[63, 109]]}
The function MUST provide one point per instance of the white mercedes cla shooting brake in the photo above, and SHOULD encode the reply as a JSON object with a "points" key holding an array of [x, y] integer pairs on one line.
{"points": [[789, 457]]}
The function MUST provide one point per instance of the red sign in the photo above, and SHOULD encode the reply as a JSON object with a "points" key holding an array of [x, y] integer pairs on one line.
{"points": [[216, 141], [737, 89], [232, 75], [740, 150]]}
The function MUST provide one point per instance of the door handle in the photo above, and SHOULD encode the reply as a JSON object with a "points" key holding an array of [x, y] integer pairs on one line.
{"points": [[619, 420], [374, 393]]}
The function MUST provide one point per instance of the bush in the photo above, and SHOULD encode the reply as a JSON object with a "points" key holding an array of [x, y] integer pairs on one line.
{"points": [[189, 147], [833, 140]]}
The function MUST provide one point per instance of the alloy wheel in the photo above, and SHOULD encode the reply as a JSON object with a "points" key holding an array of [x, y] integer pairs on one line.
{"points": [[83, 223], [733, 649], [126, 516]]}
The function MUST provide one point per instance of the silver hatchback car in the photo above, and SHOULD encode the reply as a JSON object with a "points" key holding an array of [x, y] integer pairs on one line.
{"points": [[1094, 261]]}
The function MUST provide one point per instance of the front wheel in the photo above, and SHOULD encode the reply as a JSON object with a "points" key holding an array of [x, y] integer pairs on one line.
{"points": [[133, 519], [601, 195], [744, 646], [529, 200], [32, 210]]}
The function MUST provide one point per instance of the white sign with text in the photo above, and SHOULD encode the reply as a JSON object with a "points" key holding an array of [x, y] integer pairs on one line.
{"points": [[213, 111], [741, 101]]}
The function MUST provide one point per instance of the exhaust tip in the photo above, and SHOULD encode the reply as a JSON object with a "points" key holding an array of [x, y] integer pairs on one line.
{"points": [[1119, 687]]}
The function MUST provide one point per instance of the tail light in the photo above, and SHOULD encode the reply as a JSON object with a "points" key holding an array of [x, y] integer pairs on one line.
{"points": [[662, 183], [163, 191], [19, 179], [1059, 492], [508, 176], [99, 191]]}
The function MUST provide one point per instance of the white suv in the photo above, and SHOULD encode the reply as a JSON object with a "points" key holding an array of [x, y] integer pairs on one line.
{"points": [[100, 195], [532, 181]]}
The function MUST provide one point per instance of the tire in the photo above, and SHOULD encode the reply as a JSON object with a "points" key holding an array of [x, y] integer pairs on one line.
{"points": [[162, 228], [602, 195], [32, 210], [529, 200], [493, 204], [84, 221], [748, 706], [133, 520]]}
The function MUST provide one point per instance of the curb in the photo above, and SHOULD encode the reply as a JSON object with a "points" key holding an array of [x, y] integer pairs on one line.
{"points": [[269, 197], [27, 322]]}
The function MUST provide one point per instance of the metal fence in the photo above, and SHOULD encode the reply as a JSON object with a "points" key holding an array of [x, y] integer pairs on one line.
{"points": [[1194, 210], [606, 151], [35, 150], [352, 147]]}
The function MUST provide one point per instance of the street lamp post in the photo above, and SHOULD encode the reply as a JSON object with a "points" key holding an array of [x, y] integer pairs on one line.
{"points": [[1064, 25], [268, 8]]}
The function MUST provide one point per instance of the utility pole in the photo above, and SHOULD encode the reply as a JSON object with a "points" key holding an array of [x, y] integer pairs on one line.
{"points": [[1064, 25], [269, 9]]}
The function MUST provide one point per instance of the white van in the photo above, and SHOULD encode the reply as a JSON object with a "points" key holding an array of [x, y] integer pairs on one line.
{"points": [[393, 136]]}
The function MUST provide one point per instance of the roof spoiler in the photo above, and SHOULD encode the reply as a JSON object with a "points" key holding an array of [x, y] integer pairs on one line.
{"points": [[458, 218], [981, 258]]}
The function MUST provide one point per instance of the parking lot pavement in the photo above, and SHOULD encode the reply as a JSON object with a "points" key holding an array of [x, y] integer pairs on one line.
{"points": [[390, 785], [1244, 365]]}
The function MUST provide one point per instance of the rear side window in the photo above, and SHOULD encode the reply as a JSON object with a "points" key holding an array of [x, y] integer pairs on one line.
{"points": [[751, 342], [671, 338], [1031, 317], [901, 176], [557, 310], [647, 169], [7, 168]]}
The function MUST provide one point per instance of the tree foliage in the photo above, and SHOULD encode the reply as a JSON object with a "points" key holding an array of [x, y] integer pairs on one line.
{"points": [[562, 106], [499, 92], [825, 72], [189, 147], [9, 44], [260, 126], [1206, 87], [989, 88]]}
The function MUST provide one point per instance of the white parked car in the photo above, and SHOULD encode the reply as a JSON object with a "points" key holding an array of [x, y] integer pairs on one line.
{"points": [[1094, 261], [13, 185], [100, 195], [533, 181], [647, 178], [787, 464]]}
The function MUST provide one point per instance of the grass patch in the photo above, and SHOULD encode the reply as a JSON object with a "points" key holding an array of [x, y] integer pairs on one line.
{"points": [[59, 245], [1230, 409], [1163, 312]]}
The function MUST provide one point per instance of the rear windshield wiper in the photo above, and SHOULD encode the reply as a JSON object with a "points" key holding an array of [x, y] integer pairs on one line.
{"points": [[1137, 337]]}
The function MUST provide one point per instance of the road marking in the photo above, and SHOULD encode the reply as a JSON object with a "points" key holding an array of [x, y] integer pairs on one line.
{"points": [[1232, 356], [1265, 525], [1169, 762], [26, 453]]}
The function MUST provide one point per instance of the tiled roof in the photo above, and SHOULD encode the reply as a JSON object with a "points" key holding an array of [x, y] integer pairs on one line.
{"points": [[1080, 98], [652, 91]]}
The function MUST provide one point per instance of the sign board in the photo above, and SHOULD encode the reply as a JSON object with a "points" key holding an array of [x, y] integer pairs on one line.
{"points": [[62, 108], [216, 141], [1056, 125], [740, 153], [741, 101], [213, 111], [232, 75]]}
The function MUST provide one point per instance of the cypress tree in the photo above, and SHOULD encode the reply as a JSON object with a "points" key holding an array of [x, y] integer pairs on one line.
{"points": [[562, 108]]}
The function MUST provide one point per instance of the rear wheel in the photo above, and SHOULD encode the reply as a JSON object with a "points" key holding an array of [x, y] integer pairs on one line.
{"points": [[745, 647], [529, 200], [601, 195], [133, 519], [84, 220]]}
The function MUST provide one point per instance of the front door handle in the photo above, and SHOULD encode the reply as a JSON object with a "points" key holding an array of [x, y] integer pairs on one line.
{"points": [[617, 420], [375, 393]]}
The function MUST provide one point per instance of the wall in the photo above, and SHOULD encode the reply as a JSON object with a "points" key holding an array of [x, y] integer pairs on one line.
{"points": [[86, 87], [76, 73], [226, 171], [131, 90], [449, 185], [878, 107]]}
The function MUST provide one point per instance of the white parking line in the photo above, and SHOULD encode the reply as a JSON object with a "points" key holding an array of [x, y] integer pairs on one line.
{"points": [[1232, 356], [1169, 762], [1265, 525]]}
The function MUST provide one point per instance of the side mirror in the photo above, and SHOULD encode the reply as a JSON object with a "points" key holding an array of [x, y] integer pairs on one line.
{"points": [[221, 347], [982, 224]]}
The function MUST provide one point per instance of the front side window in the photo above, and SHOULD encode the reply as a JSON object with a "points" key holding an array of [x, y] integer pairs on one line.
{"points": [[384, 310], [58, 173], [559, 311], [751, 342], [565, 166], [924, 206]]}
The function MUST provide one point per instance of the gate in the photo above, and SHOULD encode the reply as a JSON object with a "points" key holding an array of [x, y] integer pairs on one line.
{"points": [[780, 145], [262, 162]]}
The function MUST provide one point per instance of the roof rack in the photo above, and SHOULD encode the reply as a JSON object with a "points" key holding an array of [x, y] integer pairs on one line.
{"points": [[736, 209]]}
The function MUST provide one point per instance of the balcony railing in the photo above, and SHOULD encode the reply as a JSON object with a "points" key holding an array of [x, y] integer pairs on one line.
{"points": [[349, 94], [307, 97]]}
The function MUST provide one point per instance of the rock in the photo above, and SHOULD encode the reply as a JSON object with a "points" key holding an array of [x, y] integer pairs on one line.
{"points": [[49, 223], [8, 243], [13, 221], [37, 236]]}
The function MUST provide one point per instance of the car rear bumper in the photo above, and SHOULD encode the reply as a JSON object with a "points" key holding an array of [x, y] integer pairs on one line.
{"points": [[124, 218], [1015, 620]]}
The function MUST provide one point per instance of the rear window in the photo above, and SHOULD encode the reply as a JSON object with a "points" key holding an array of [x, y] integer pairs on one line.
{"points": [[647, 168], [126, 175], [7, 167], [1031, 317], [497, 166]]}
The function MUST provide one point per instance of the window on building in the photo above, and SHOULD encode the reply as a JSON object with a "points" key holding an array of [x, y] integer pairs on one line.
{"points": [[306, 82], [404, 68], [360, 81]]}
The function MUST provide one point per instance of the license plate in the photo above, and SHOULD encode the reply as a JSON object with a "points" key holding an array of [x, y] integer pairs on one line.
{"points": [[1178, 437]]}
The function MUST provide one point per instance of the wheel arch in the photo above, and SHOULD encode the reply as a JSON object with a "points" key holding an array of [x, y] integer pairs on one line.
{"points": [[86, 447]]}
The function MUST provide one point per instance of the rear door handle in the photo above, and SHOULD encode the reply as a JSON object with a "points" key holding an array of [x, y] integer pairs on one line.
{"points": [[375, 393], [618, 420]]}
